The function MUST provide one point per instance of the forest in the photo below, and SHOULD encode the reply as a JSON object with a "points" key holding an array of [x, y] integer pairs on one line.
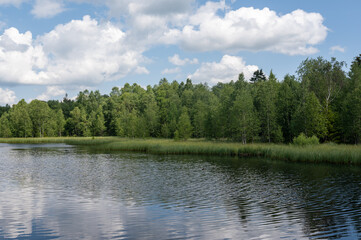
{"points": [[322, 99]]}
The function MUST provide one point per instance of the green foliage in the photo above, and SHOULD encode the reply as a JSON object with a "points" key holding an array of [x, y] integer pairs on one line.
{"points": [[323, 101], [266, 105], [5, 130], [309, 118], [258, 76], [184, 127], [40, 115], [245, 123], [303, 140], [287, 101], [96, 122], [59, 122], [78, 123], [4, 109], [20, 122]]}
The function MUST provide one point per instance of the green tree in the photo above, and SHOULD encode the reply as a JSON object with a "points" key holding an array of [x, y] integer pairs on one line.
{"points": [[245, 123], [59, 122], [266, 102], [326, 79], [4, 109], [350, 111], [258, 76], [20, 122], [151, 114], [226, 98], [78, 123], [96, 122], [287, 102], [309, 118], [40, 115], [5, 130], [184, 126]]}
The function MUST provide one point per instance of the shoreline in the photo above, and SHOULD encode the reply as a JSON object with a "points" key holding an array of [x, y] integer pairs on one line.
{"points": [[322, 153]]}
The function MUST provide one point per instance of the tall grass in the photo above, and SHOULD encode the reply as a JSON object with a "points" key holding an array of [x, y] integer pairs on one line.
{"points": [[323, 153]]}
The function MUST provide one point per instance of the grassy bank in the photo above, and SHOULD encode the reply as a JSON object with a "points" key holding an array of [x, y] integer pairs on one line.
{"points": [[338, 154]]}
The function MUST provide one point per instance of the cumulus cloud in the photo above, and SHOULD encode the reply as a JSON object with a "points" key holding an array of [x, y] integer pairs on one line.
{"points": [[51, 91], [47, 8], [224, 71], [251, 29], [171, 70], [80, 52], [20, 58], [337, 48], [176, 60], [213, 26], [7, 96]]}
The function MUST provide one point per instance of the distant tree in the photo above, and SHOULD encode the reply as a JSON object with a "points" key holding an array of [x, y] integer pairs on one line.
{"points": [[67, 105], [78, 123], [4, 109], [350, 111], [258, 76], [5, 130], [151, 114], [309, 118], [266, 103], [20, 122], [59, 122], [96, 122], [226, 98], [184, 127], [40, 115], [326, 79], [286, 103], [245, 123], [54, 104]]}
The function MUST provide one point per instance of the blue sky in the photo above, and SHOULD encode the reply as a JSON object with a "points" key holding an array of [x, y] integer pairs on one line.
{"points": [[49, 48]]}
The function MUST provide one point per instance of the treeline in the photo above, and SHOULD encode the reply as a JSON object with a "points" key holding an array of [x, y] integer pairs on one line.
{"points": [[322, 100]]}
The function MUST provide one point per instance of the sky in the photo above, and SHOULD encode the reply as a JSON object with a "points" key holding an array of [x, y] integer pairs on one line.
{"points": [[49, 48]]}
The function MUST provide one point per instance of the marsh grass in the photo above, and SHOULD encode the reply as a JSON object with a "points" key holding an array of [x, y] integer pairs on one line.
{"points": [[323, 153]]}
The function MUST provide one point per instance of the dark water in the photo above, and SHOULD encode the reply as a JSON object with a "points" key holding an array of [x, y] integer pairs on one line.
{"points": [[56, 191]]}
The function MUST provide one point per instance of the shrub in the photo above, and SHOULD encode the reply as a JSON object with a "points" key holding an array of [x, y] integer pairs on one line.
{"points": [[303, 140]]}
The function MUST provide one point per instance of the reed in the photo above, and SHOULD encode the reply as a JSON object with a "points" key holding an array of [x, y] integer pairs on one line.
{"points": [[323, 153]]}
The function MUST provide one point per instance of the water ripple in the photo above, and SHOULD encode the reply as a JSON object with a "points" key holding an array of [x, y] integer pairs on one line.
{"points": [[61, 192]]}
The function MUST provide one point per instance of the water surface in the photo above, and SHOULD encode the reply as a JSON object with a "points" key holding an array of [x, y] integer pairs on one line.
{"points": [[58, 191]]}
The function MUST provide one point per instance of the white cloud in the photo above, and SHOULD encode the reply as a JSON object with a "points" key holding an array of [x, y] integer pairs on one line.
{"points": [[171, 70], [251, 29], [176, 60], [214, 26], [226, 70], [20, 58], [47, 8], [81, 52], [7, 96], [51, 91], [337, 48], [16, 3]]}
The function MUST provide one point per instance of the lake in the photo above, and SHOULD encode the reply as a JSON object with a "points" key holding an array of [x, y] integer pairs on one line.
{"points": [[59, 191]]}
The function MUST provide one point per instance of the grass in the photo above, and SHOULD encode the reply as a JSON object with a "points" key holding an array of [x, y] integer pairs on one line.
{"points": [[323, 153]]}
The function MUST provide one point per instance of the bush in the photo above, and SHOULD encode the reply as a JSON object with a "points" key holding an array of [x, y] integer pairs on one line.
{"points": [[303, 140]]}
